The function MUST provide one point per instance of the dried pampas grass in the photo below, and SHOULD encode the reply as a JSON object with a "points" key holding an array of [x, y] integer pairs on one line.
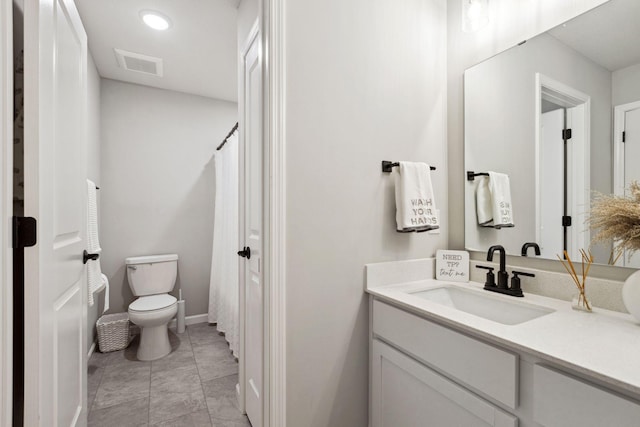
{"points": [[617, 218]]}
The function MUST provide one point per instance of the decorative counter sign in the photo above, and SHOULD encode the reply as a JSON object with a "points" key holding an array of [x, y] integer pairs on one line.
{"points": [[452, 266]]}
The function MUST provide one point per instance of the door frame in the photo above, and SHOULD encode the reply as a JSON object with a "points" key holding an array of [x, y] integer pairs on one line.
{"points": [[619, 112], [272, 13], [273, 47], [618, 146], [270, 28], [6, 212], [580, 162]]}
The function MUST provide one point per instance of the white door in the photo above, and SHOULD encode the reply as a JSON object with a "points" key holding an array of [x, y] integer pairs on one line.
{"points": [[6, 211], [631, 169], [253, 229], [551, 187], [55, 194]]}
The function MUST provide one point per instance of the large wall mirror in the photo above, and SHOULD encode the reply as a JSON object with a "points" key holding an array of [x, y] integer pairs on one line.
{"points": [[582, 76]]}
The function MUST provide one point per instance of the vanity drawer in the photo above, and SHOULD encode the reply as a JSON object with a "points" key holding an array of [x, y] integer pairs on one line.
{"points": [[562, 400], [480, 366]]}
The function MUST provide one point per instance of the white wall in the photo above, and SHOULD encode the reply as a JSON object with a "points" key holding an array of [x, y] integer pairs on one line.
{"points": [[500, 129], [93, 172], [626, 85], [157, 186], [365, 83], [247, 14], [511, 23]]}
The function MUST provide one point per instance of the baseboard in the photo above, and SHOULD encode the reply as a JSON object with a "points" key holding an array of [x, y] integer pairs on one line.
{"points": [[91, 350], [191, 320]]}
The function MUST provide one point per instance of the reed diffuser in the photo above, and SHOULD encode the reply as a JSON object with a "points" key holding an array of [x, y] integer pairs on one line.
{"points": [[580, 302]]}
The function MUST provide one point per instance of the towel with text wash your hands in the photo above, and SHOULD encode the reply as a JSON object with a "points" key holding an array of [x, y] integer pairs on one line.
{"points": [[415, 203]]}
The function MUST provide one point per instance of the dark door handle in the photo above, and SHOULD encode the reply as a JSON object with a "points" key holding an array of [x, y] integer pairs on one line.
{"points": [[245, 252], [86, 256]]}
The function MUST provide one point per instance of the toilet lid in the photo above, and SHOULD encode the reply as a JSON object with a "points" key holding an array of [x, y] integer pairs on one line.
{"points": [[152, 302]]}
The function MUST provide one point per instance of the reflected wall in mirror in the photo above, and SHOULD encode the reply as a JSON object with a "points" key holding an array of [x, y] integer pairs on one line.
{"points": [[558, 114]]}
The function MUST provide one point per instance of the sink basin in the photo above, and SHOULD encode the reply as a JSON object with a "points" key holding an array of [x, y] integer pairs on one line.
{"points": [[486, 306]]}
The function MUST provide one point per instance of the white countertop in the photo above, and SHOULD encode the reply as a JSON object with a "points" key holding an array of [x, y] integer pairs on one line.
{"points": [[604, 345]]}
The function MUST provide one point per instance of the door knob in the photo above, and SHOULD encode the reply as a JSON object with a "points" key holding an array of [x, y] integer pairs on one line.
{"points": [[86, 256], [245, 252]]}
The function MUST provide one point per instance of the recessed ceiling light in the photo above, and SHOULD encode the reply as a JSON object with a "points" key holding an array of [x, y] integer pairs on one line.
{"points": [[155, 20]]}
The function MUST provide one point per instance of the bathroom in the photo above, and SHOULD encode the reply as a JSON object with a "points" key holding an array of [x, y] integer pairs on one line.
{"points": [[159, 104], [347, 105]]}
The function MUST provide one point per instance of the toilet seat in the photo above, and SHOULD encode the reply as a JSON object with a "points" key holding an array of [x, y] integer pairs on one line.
{"points": [[152, 303]]}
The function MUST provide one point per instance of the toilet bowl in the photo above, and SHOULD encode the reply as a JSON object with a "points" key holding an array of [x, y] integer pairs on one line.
{"points": [[151, 278], [152, 314]]}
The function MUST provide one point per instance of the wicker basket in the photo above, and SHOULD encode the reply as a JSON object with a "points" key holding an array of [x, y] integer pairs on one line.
{"points": [[113, 332]]}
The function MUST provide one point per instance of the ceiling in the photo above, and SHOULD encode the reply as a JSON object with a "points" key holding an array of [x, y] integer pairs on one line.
{"points": [[608, 35], [199, 50]]}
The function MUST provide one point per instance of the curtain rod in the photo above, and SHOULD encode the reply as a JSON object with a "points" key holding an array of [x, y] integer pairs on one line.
{"points": [[235, 127]]}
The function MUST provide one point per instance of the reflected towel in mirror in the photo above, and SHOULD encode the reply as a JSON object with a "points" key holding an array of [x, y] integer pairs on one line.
{"points": [[501, 199], [484, 207]]}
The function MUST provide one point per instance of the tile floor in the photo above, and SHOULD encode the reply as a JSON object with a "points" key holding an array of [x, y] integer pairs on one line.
{"points": [[192, 386]]}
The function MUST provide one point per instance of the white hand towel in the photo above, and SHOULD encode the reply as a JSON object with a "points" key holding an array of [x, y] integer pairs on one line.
{"points": [[94, 272], [501, 200], [415, 204], [484, 206]]}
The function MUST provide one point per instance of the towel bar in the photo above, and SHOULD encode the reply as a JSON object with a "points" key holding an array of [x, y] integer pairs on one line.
{"points": [[388, 166], [471, 175]]}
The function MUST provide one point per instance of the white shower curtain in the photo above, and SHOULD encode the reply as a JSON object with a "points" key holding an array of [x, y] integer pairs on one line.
{"points": [[224, 285]]}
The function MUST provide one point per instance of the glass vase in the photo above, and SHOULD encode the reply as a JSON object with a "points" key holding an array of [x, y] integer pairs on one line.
{"points": [[581, 303]]}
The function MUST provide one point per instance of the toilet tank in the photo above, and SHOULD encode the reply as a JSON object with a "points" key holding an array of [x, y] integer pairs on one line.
{"points": [[152, 274]]}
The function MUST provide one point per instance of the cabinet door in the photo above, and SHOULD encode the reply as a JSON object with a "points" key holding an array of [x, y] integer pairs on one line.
{"points": [[561, 400], [479, 366], [408, 394]]}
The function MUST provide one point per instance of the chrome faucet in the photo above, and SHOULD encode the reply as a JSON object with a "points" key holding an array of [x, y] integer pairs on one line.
{"points": [[503, 276]]}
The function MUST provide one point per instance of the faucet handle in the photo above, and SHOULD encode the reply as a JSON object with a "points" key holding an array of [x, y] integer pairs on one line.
{"points": [[491, 278], [522, 273], [515, 282]]}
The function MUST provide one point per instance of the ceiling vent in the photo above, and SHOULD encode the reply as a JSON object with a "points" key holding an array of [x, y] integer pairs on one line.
{"points": [[139, 63]]}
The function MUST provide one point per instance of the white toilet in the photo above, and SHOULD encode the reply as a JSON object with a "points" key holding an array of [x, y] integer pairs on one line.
{"points": [[151, 278]]}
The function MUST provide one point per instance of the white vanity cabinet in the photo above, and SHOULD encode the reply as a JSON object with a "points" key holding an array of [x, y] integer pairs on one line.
{"points": [[406, 393], [406, 389], [563, 400], [425, 374]]}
